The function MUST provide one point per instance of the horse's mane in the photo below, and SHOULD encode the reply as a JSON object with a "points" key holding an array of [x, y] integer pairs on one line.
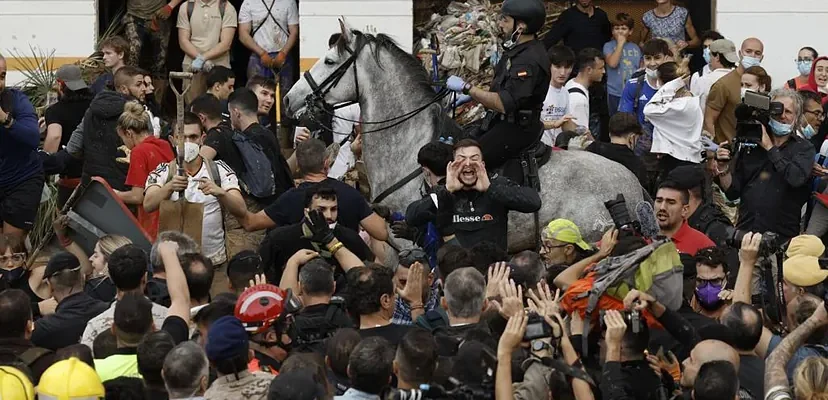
{"points": [[417, 74]]}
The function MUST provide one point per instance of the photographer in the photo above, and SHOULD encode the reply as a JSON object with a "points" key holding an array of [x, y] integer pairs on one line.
{"points": [[626, 372], [772, 193]]}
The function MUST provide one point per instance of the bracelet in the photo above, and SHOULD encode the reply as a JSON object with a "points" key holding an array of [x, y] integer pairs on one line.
{"points": [[467, 88], [65, 241], [333, 249]]}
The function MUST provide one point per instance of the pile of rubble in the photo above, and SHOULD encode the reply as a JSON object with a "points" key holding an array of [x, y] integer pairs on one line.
{"points": [[469, 45]]}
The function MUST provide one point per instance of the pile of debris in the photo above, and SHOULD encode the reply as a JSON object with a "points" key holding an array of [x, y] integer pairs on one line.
{"points": [[468, 45]]}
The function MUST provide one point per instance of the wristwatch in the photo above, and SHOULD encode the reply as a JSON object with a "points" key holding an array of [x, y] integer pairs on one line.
{"points": [[540, 345], [467, 88]]}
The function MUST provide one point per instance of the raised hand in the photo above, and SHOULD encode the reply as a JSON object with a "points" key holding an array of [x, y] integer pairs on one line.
{"points": [[497, 276], [453, 183]]}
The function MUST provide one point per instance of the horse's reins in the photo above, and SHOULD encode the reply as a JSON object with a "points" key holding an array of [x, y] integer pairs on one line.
{"points": [[316, 101], [319, 91]]}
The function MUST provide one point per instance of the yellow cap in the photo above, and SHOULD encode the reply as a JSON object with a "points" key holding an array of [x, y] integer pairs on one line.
{"points": [[803, 270], [70, 379], [806, 245], [14, 384], [564, 230]]}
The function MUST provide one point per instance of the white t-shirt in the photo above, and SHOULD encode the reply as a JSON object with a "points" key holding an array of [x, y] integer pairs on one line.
{"points": [[695, 84], [578, 103], [270, 36], [555, 106], [705, 82], [212, 231]]}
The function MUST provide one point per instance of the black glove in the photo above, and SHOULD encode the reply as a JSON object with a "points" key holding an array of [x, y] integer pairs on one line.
{"points": [[403, 231], [322, 233]]}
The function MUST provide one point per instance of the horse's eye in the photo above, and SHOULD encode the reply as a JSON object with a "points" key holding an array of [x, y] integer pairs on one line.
{"points": [[328, 61]]}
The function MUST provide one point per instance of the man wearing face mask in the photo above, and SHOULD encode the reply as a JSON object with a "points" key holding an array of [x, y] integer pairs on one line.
{"points": [[813, 115], [641, 88], [726, 93], [772, 179], [624, 133], [519, 87], [205, 181], [710, 297], [722, 59]]}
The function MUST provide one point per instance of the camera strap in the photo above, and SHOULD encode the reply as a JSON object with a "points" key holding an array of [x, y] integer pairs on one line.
{"points": [[567, 369]]}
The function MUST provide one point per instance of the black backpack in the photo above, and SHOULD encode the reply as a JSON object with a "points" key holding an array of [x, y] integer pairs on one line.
{"points": [[311, 332]]}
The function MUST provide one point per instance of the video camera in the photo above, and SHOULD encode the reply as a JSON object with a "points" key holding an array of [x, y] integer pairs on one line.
{"points": [[770, 243], [631, 318], [621, 216], [755, 112]]}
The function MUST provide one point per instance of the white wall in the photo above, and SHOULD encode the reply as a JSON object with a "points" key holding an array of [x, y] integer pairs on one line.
{"points": [[318, 21], [67, 26], [783, 26]]}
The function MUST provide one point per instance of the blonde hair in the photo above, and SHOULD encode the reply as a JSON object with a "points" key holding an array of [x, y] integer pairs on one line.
{"points": [[810, 379], [109, 243], [134, 118]]}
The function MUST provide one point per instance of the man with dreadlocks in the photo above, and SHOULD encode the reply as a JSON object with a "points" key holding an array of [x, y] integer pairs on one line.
{"points": [[519, 87]]}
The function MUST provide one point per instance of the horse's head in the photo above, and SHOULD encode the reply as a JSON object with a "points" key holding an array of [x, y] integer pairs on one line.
{"points": [[332, 79]]}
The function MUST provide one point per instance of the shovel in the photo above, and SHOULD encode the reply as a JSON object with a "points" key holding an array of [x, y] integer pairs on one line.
{"points": [[181, 215]]}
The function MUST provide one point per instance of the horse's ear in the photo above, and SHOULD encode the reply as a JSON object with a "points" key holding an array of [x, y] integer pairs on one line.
{"points": [[347, 34]]}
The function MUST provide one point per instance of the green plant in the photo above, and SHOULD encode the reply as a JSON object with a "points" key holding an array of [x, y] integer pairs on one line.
{"points": [[38, 72]]}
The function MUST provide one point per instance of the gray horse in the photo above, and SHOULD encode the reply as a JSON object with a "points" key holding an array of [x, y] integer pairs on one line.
{"points": [[388, 82]]}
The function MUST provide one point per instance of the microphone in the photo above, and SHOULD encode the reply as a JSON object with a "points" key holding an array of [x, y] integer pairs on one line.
{"points": [[647, 219]]}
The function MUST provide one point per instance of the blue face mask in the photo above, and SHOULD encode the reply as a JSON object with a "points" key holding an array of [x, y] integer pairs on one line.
{"points": [[748, 62], [808, 131], [706, 54], [804, 67], [780, 129]]}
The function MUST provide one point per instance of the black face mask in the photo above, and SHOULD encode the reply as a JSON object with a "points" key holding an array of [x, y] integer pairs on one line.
{"points": [[12, 275]]}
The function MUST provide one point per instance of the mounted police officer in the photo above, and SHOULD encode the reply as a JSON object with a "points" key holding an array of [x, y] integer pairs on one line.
{"points": [[519, 87]]}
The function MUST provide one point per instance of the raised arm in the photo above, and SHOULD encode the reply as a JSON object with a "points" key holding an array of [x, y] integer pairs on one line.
{"points": [[575, 271], [176, 281], [21, 127], [513, 196], [775, 375]]}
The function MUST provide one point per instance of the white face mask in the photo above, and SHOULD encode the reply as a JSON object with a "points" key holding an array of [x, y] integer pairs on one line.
{"points": [[191, 151], [744, 90], [651, 73]]}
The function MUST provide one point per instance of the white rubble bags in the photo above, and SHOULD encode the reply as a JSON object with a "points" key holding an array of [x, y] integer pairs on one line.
{"points": [[468, 37]]}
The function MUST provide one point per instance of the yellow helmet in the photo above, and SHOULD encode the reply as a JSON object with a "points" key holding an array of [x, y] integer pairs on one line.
{"points": [[70, 379], [14, 384]]}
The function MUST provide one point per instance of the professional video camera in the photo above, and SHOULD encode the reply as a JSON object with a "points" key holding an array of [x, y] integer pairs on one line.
{"points": [[621, 217], [437, 392], [770, 244], [755, 112]]}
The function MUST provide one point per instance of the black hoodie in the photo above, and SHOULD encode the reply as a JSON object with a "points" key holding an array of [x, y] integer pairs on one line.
{"points": [[101, 142]]}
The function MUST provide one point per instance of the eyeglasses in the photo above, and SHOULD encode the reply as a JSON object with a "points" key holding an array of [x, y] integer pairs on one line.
{"points": [[547, 246], [15, 258], [714, 281], [804, 60], [816, 113]]}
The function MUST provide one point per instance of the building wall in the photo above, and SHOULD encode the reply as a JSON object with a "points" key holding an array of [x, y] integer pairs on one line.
{"points": [[67, 27]]}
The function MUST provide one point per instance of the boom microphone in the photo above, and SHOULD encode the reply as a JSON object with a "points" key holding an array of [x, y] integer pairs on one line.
{"points": [[646, 217]]}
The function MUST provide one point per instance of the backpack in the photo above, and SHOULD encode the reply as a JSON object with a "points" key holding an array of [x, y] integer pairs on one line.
{"points": [[212, 171], [577, 90], [28, 357], [311, 332], [191, 8], [639, 88], [258, 178]]}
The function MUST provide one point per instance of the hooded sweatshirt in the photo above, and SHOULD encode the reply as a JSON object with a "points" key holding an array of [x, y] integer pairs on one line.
{"points": [[812, 83], [103, 154], [18, 144]]}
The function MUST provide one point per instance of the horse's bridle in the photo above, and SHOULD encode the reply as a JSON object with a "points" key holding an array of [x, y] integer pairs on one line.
{"points": [[316, 100]]}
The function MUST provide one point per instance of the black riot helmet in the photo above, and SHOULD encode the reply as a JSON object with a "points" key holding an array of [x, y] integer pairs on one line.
{"points": [[531, 12]]}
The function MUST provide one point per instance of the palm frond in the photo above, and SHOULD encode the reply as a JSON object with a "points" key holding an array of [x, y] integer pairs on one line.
{"points": [[115, 26], [38, 69]]}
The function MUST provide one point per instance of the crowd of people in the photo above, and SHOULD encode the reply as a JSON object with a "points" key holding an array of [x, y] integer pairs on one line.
{"points": [[294, 286]]}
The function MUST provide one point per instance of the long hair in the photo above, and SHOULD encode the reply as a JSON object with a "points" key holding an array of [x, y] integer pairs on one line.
{"points": [[810, 379], [110, 243]]}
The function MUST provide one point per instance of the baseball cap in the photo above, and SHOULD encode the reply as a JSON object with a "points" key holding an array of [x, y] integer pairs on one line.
{"points": [[71, 76], [61, 261], [807, 245], [726, 48], [564, 230], [226, 339], [803, 270], [410, 256]]}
